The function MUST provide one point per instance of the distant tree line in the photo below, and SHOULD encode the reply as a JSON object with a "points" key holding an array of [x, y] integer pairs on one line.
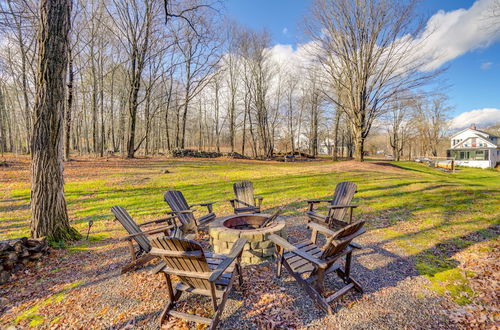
{"points": [[146, 76]]}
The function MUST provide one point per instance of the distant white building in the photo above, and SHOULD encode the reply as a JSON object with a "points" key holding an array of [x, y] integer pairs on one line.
{"points": [[474, 148]]}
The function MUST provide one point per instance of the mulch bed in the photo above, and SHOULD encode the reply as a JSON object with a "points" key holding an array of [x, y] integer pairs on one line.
{"points": [[84, 289]]}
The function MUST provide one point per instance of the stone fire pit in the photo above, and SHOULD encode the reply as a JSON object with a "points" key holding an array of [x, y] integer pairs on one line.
{"points": [[225, 231]]}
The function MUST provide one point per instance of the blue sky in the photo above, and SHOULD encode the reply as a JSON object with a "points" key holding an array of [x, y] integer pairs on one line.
{"points": [[474, 76]]}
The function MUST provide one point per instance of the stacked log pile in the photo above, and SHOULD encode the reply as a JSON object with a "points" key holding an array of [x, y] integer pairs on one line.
{"points": [[179, 153], [17, 253]]}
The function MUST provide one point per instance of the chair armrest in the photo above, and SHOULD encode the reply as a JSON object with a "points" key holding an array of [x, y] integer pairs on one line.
{"points": [[342, 206], [148, 232], [184, 211], [289, 247], [235, 252], [354, 235], [202, 204], [158, 268], [321, 229], [156, 221], [209, 206], [315, 201], [259, 197], [258, 201]]}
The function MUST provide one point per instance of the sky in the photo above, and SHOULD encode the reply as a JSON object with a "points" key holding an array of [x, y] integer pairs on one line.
{"points": [[461, 42]]}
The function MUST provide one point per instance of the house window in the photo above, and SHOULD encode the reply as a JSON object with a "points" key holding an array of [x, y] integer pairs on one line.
{"points": [[480, 154], [464, 155]]}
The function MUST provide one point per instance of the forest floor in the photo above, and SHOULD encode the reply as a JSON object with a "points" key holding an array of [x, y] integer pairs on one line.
{"points": [[430, 257]]}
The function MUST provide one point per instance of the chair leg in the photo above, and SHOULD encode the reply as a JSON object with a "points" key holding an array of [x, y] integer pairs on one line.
{"points": [[164, 314], [279, 260], [315, 296], [220, 308], [214, 297], [240, 273], [346, 274], [320, 281], [347, 267], [173, 296]]}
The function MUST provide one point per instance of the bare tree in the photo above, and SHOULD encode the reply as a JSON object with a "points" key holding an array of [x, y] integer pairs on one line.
{"points": [[398, 118], [231, 63], [197, 47], [134, 21], [291, 83], [258, 82], [367, 51], [48, 205], [19, 19], [430, 117]]}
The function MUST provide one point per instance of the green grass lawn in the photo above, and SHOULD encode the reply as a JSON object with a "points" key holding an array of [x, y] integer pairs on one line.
{"points": [[428, 213]]}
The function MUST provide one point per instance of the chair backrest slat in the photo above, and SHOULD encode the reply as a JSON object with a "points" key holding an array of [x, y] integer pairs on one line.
{"points": [[243, 191], [131, 227], [176, 201], [343, 195], [196, 263], [342, 238]]}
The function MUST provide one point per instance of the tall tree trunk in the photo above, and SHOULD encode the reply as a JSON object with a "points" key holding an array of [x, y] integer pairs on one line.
{"points": [[232, 119], [94, 98], [3, 116], [243, 137], [121, 126], [48, 205], [184, 119], [167, 132], [359, 144], [101, 101], [24, 72], [135, 84], [69, 105], [112, 110], [336, 134]]}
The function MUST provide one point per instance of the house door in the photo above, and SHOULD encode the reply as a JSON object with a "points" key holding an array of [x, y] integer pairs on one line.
{"points": [[464, 155]]}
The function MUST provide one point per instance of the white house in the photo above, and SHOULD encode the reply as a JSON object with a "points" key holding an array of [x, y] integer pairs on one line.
{"points": [[474, 148]]}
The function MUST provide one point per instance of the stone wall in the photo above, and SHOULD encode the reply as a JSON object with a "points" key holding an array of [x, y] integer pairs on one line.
{"points": [[257, 249]]}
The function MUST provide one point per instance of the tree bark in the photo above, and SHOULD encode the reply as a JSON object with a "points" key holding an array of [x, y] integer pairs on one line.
{"points": [[69, 105], [48, 205], [336, 134], [359, 144], [3, 116]]}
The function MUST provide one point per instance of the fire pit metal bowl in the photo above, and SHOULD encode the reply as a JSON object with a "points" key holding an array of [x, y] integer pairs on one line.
{"points": [[226, 230]]}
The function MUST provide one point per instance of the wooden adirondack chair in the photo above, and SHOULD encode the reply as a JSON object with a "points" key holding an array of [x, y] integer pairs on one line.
{"points": [[177, 203], [141, 255], [307, 258], [245, 201], [199, 273], [344, 192]]}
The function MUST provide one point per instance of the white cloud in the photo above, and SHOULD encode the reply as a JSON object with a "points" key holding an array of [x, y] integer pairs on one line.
{"points": [[450, 34], [285, 31], [486, 65], [480, 117]]}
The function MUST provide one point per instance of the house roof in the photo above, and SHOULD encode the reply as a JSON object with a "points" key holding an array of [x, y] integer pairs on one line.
{"points": [[460, 145], [476, 130]]}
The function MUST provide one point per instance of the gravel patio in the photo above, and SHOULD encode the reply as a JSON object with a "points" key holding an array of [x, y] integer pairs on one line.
{"points": [[85, 289]]}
